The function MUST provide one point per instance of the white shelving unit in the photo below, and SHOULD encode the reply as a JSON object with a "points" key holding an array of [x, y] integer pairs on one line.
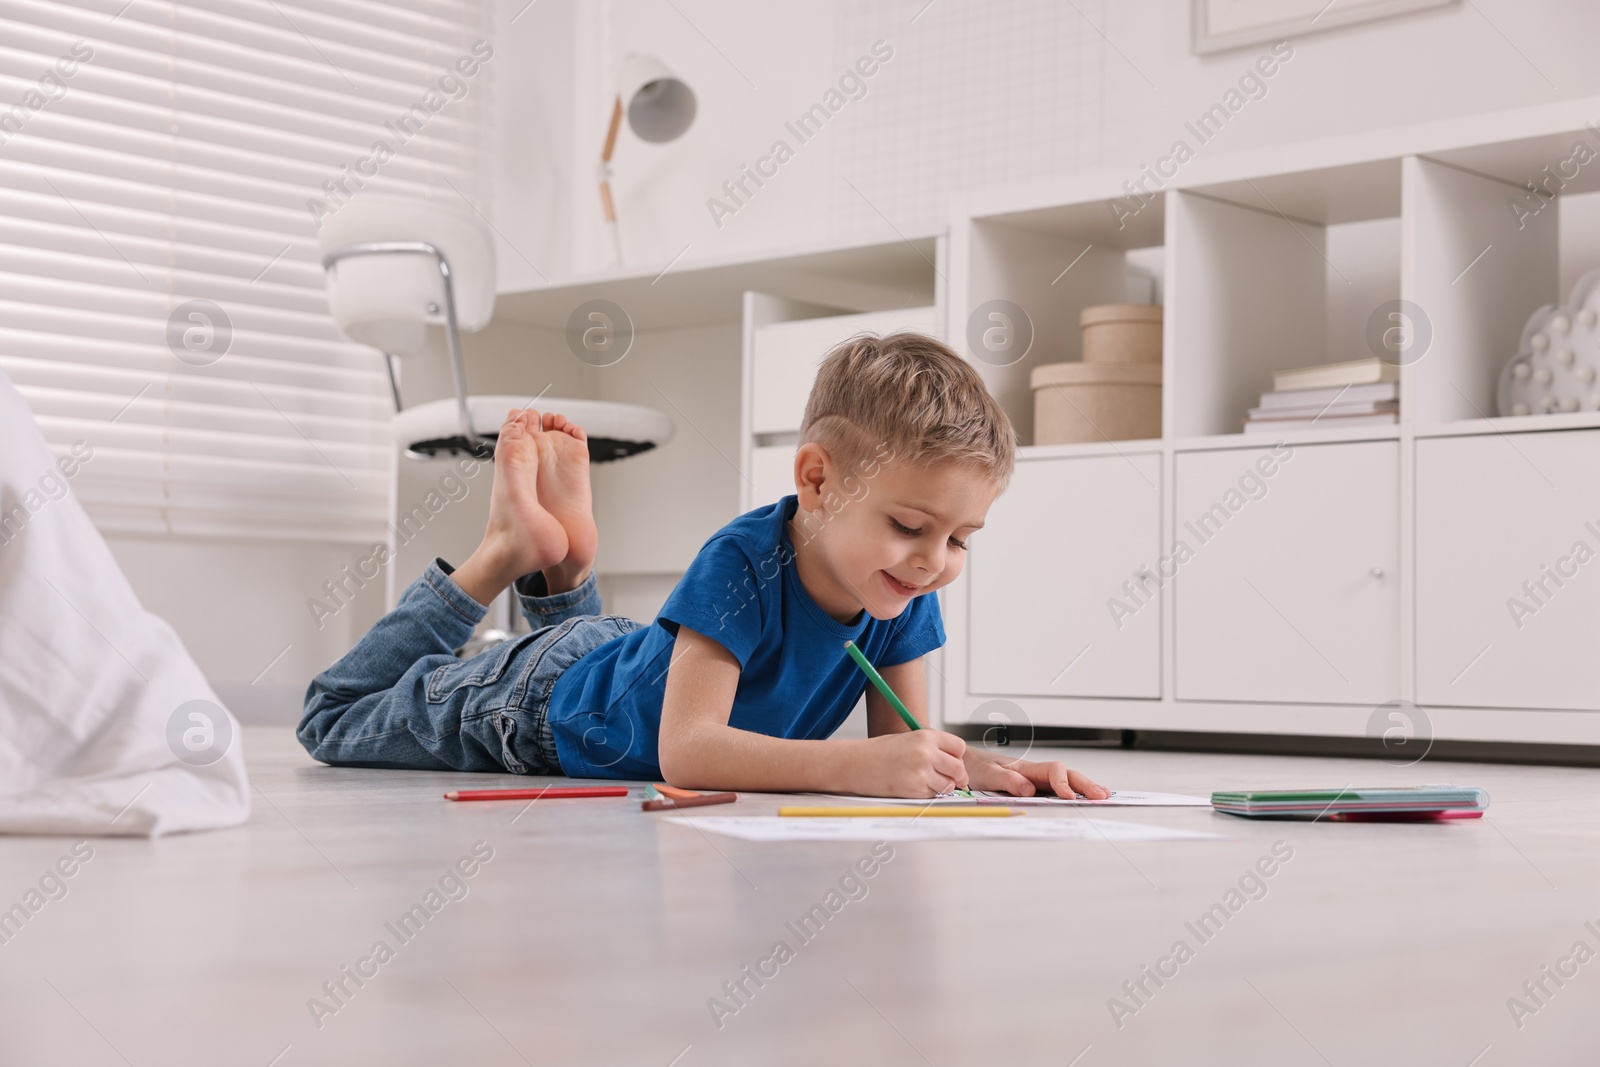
{"points": [[1371, 565]]}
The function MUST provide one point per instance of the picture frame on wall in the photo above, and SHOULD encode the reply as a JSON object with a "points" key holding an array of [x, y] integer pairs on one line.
{"points": [[1220, 25]]}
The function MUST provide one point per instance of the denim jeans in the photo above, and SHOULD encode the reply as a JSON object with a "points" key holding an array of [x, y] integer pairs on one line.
{"points": [[401, 698]]}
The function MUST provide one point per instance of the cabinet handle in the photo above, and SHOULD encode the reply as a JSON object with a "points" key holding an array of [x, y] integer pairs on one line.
{"points": [[1377, 572]]}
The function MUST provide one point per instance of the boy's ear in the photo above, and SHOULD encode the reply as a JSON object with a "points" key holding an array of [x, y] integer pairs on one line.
{"points": [[813, 469]]}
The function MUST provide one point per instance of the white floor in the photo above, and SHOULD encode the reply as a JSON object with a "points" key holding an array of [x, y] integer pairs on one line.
{"points": [[598, 933]]}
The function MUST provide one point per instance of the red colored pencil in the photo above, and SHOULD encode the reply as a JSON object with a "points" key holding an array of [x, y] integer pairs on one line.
{"points": [[550, 792], [668, 804]]}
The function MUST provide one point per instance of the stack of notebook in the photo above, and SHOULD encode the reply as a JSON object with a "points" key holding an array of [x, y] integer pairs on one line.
{"points": [[1364, 392], [1351, 804]]}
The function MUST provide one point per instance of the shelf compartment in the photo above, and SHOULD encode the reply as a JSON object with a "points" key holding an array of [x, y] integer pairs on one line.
{"points": [[1052, 263], [1476, 274], [1271, 273]]}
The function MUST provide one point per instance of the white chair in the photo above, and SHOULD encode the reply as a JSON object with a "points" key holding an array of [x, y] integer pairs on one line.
{"points": [[398, 266]]}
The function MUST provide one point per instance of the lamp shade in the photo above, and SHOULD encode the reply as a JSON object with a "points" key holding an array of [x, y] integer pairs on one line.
{"points": [[390, 301], [660, 106]]}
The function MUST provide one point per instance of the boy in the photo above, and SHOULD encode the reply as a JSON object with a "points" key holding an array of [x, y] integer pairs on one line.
{"points": [[743, 676]]}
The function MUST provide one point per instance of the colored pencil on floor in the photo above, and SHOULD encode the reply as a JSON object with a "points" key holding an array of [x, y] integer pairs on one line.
{"points": [[549, 793], [696, 801]]}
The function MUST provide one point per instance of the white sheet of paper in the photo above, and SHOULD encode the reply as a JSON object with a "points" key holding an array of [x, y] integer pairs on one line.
{"points": [[1119, 798], [1017, 828]]}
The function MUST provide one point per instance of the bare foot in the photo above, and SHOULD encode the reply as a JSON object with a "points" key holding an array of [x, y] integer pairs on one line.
{"points": [[565, 494], [522, 535]]}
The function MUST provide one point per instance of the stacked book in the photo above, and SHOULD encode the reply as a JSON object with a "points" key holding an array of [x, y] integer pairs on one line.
{"points": [[1363, 392], [1384, 803]]}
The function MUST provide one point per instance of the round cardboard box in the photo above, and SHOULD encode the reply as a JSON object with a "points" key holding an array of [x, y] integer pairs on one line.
{"points": [[1078, 402], [1121, 333]]}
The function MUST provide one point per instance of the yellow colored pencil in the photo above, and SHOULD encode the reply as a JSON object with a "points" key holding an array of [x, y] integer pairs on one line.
{"points": [[906, 810]]}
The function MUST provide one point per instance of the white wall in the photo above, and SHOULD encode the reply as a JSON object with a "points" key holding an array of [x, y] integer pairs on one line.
{"points": [[241, 609], [881, 166], [750, 72], [1489, 55], [980, 92], [534, 70]]}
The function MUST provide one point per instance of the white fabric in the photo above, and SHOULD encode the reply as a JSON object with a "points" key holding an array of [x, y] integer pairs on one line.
{"points": [[88, 678]]}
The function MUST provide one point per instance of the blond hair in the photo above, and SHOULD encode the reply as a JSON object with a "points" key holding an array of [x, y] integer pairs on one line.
{"points": [[913, 396]]}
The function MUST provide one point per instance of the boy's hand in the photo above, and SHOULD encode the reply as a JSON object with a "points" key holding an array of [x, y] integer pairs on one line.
{"points": [[1024, 778], [920, 763]]}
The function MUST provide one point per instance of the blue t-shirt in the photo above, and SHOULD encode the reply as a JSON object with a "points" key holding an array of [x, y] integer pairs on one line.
{"points": [[742, 591]]}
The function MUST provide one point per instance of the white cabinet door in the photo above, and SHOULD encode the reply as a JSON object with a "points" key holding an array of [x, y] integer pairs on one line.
{"points": [[771, 474], [785, 356], [1508, 579], [1289, 594], [1054, 550]]}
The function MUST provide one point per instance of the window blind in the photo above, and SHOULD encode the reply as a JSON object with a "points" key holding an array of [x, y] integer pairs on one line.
{"points": [[163, 170]]}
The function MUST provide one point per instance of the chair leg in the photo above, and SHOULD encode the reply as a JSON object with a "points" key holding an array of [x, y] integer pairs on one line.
{"points": [[458, 372], [394, 383]]}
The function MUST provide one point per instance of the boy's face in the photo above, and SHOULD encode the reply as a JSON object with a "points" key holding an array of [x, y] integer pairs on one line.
{"points": [[874, 541]]}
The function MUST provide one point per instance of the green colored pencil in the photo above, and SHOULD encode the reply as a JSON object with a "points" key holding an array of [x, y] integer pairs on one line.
{"points": [[883, 686]]}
